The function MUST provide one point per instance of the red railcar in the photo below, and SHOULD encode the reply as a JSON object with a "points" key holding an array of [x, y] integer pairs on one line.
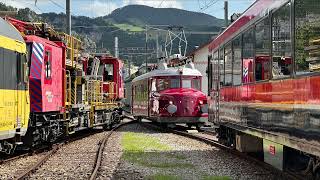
{"points": [[67, 94], [113, 72], [273, 105], [170, 96], [46, 75]]}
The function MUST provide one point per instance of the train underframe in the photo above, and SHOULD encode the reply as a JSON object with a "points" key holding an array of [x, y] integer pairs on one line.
{"points": [[197, 122], [47, 128], [279, 155]]}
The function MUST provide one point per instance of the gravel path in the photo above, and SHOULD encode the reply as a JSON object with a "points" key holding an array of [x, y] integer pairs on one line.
{"points": [[72, 161], [10, 169], [185, 159]]}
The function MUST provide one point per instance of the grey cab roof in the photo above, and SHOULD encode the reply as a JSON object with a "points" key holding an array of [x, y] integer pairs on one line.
{"points": [[9, 31]]}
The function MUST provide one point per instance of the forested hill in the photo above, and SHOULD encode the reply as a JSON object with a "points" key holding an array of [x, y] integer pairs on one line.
{"points": [[140, 15], [127, 23]]}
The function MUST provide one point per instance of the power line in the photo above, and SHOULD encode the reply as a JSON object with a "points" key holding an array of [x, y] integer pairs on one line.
{"points": [[58, 5], [160, 4], [209, 5]]}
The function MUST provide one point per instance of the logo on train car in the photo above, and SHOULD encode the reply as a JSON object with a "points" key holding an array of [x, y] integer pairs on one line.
{"points": [[49, 96], [272, 150]]}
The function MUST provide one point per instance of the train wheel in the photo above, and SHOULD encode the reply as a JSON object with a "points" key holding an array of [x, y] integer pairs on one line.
{"points": [[198, 127], [139, 118], [317, 175], [189, 125]]}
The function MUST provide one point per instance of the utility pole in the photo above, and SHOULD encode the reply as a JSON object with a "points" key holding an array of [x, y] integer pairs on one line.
{"points": [[129, 64], [116, 47], [226, 13], [68, 13], [157, 45], [146, 49]]}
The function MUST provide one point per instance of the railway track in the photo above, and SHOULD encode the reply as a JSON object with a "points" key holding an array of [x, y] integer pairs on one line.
{"points": [[101, 148], [12, 158], [204, 136], [39, 164]]}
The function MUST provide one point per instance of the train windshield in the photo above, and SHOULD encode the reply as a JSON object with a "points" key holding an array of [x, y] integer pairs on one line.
{"points": [[178, 82]]}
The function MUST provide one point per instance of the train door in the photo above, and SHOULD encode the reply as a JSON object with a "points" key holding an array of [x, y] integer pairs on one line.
{"points": [[22, 93], [153, 98], [215, 94]]}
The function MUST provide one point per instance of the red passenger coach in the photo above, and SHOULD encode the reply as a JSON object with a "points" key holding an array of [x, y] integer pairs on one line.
{"points": [[170, 96], [264, 90]]}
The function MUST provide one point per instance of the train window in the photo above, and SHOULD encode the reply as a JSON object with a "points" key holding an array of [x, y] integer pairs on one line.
{"points": [[108, 72], [9, 69], [248, 56], [307, 42], [175, 83], [281, 43], [236, 72], [163, 84], [215, 70], [1, 68], [20, 63], [210, 72], [228, 64], [262, 46], [221, 62], [196, 83], [186, 83], [48, 64]]}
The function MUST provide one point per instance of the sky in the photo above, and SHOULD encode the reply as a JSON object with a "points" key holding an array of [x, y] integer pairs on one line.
{"points": [[95, 8]]}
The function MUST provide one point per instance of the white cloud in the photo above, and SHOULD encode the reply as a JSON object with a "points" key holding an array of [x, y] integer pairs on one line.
{"points": [[12, 3], [154, 3], [97, 8]]}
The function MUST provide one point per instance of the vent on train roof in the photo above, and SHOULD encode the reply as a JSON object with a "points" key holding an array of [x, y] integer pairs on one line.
{"points": [[190, 64], [162, 65]]}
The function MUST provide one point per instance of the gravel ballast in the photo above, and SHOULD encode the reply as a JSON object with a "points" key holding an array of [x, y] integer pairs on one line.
{"points": [[181, 158]]}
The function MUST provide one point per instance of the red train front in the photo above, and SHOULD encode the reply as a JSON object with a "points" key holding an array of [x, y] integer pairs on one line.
{"points": [[170, 96]]}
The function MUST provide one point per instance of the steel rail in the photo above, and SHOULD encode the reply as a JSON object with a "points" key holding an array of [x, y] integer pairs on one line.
{"points": [[3, 161], [282, 174], [32, 168], [100, 151], [54, 149]]}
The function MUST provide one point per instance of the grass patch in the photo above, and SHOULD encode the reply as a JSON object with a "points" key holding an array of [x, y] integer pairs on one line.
{"points": [[151, 160], [176, 156], [162, 177], [129, 27], [216, 178], [149, 152], [138, 142]]}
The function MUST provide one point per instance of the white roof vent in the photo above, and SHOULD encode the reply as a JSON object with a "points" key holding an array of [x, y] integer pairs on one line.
{"points": [[162, 66], [190, 64]]}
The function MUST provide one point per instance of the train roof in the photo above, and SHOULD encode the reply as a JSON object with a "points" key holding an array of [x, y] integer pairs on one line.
{"points": [[169, 72], [7, 30], [257, 10]]}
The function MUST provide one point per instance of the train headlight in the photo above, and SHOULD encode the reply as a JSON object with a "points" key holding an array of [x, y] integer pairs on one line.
{"points": [[200, 102], [204, 108], [170, 102], [172, 108]]}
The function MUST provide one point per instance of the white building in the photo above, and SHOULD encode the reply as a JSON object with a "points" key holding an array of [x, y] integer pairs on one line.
{"points": [[200, 60]]}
